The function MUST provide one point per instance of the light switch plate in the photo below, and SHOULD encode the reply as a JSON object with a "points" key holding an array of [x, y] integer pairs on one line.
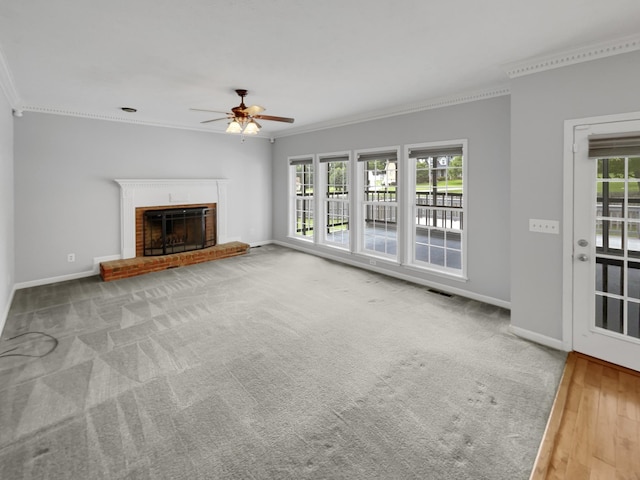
{"points": [[544, 226]]}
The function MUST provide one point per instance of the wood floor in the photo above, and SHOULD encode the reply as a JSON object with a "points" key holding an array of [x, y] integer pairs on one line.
{"points": [[594, 427]]}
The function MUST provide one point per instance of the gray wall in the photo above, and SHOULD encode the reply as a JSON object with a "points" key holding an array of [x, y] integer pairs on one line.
{"points": [[7, 271], [67, 202], [540, 103], [485, 124]]}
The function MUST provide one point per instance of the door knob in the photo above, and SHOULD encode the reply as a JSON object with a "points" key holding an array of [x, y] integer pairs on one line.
{"points": [[583, 257]]}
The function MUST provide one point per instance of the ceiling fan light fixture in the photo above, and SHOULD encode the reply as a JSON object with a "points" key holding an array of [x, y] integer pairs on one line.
{"points": [[234, 127], [242, 119], [251, 128]]}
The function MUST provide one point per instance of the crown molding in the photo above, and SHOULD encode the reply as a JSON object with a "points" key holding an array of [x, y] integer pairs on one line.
{"points": [[123, 119], [571, 57], [111, 118], [6, 83], [430, 104]]}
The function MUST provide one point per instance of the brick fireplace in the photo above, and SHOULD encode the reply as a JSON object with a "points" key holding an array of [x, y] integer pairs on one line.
{"points": [[146, 246], [138, 196]]}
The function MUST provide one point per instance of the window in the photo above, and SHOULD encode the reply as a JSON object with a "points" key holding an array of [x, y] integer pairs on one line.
{"points": [[301, 170], [378, 202], [335, 172], [438, 206]]}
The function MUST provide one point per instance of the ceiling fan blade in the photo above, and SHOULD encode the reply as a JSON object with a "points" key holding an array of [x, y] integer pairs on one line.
{"points": [[203, 110], [254, 110], [276, 119], [215, 120]]}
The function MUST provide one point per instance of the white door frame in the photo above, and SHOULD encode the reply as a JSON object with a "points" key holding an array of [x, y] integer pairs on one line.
{"points": [[568, 212]]}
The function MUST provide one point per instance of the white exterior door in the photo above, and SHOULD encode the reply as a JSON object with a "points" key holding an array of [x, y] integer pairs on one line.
{"points": [[606, 242]]}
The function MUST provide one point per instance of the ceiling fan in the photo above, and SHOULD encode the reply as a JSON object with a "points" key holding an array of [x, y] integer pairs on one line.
{"points": [[243, 118]]}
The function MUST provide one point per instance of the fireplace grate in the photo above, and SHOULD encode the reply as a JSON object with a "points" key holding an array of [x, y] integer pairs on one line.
{"points": [[178, 230]]}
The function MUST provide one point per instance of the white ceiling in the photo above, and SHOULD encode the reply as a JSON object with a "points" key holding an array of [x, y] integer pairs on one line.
{"points": [[320, 61]]}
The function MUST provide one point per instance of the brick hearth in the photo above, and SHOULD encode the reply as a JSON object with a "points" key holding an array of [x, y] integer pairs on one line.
{"points": [[131, 267]]}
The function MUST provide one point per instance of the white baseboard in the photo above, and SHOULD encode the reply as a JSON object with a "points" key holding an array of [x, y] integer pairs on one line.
{"points": [[47, 281], [409, 278], [261, 243], [539, 338]]}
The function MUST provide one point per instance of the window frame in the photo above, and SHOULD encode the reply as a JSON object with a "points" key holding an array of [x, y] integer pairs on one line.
{"points": [[323, 200], [360, 203], [292, 163], [412, 208]]}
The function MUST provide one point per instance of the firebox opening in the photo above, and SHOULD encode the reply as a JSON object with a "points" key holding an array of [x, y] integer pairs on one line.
{"points": [[178, 230]]}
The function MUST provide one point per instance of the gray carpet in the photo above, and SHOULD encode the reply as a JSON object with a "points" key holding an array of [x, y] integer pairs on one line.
{"points": [[273, 365]]}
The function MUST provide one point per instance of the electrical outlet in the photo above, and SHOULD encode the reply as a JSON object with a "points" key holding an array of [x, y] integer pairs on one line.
{"points": [[544, 226], [71, 257]]}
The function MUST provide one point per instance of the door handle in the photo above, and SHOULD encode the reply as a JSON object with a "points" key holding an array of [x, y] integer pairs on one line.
{"points": [[583, 257]]}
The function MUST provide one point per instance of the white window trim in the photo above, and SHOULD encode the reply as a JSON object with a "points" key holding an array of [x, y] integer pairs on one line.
{"points": [[359, 204], [292, 198], [410, 211], [321, 200]]}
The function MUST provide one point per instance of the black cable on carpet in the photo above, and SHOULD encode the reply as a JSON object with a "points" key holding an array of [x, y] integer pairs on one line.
{"points": [[8, 353]]}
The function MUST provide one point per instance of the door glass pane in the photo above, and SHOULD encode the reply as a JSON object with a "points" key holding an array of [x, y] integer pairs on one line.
{"points": [[611, 168], [634, 170], [610, 241], [611, 197], [633, 320], [617, 231], [609, 276], [633, 235], [633, 279], [609, 313], [599, 228]]}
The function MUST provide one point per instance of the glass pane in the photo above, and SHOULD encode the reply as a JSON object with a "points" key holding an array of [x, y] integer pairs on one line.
{"points": [[610, 198], [454, 198], [380, 230], [437, 238], [380, 175], [304, 217], [610, 241], [609, 276], [611, 168], [337, 230], [422, 252], [454, 259], [337, 179], [422, 216], [437, 256], [453, 240], [633, 320], [633, 279], [609, 313], [423, 176], [599, 227], [633, 237], [634, 167], [455, 174]]}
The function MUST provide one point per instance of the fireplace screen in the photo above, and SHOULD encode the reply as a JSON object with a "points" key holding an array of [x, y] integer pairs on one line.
{"points": [[178, 230]]}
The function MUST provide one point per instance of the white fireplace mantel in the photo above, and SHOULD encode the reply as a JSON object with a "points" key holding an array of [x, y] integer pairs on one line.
{"points": [[137, 193]]}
